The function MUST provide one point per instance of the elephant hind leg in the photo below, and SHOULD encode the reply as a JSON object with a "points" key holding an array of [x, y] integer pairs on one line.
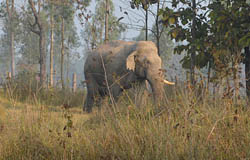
{"points": [[94, 97], [92, 100], [89, 102], [92, 92]]}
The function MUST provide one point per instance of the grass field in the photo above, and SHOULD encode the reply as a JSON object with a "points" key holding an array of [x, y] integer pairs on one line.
{"points": [[184, 127]]}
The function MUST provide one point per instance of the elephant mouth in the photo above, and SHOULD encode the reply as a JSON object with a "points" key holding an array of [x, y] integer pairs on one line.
{"points": [[141, 79]]}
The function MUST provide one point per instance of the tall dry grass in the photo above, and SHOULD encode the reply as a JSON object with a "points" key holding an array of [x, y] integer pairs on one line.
{"points": [[185, 126]]}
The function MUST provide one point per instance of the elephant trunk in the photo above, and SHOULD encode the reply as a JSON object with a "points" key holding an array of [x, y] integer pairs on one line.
{"points": [[157, 85]]}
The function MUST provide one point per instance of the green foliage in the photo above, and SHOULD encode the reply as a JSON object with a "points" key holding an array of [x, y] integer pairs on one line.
{"points": [[217, 32], [230, 22], [190, 27], [229, 33], [145, 3]]}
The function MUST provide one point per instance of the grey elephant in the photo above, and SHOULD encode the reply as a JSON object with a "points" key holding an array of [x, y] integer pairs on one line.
{"points": [[116, 65]]}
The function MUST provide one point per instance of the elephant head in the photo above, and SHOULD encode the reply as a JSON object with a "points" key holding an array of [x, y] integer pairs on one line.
{"points": [[147, 65]]}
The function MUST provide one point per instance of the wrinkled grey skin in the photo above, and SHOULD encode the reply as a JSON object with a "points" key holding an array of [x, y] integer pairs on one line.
{"points": [[121, 72]]}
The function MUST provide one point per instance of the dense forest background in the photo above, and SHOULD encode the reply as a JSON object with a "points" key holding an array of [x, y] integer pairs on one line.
{"points": [[199, 40]]}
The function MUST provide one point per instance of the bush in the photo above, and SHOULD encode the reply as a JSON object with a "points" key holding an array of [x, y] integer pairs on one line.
{"points": [[25, 88]]}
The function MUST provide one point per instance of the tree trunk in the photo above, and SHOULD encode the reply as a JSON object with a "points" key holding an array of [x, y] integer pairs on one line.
{"points": [[42, 51], [157, 28], [247, 70], [107, 22], [192, 60], [62, 53], [94, 41], [146, 21], [11, 35], [51, 50], [12, 52], [101, 34], [41, 34], [236, 81], [208, 75], [74, 83], [67, 65]]}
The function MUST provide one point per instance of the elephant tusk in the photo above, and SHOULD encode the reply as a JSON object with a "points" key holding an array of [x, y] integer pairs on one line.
{"points": [[167, 82]]}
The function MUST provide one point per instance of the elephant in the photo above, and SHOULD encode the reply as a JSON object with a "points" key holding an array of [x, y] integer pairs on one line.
{"points": [[116, 65]]}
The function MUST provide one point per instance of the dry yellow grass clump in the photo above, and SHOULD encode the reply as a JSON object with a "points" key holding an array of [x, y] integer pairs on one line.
{"points": [[184, 127]]}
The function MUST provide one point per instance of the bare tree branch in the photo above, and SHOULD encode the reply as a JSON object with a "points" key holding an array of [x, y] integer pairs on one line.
{"points": [[36, 14]]}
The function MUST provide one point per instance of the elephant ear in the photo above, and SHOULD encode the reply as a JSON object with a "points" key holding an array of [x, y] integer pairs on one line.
{"points": [[130, 62]]}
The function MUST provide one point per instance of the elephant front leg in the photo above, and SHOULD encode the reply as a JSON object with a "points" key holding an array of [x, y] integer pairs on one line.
{"points": [[116, 90]]}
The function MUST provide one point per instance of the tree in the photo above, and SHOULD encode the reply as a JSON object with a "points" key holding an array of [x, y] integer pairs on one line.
{"points": [[214, 42], [38, 27], [4, 51], [145, 5], [62, 52], [94, 32], [66, 10], [62, 31], [51, 6], [247, 71], [65, 38], [228, 41], [188, 22], [10, 19], [166, 46], [193, 34], [159, 29], [11, 34], [106, 21]]}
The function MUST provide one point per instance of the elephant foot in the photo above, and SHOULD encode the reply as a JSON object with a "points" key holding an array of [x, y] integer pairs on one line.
{"points": [[87, 109]]}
